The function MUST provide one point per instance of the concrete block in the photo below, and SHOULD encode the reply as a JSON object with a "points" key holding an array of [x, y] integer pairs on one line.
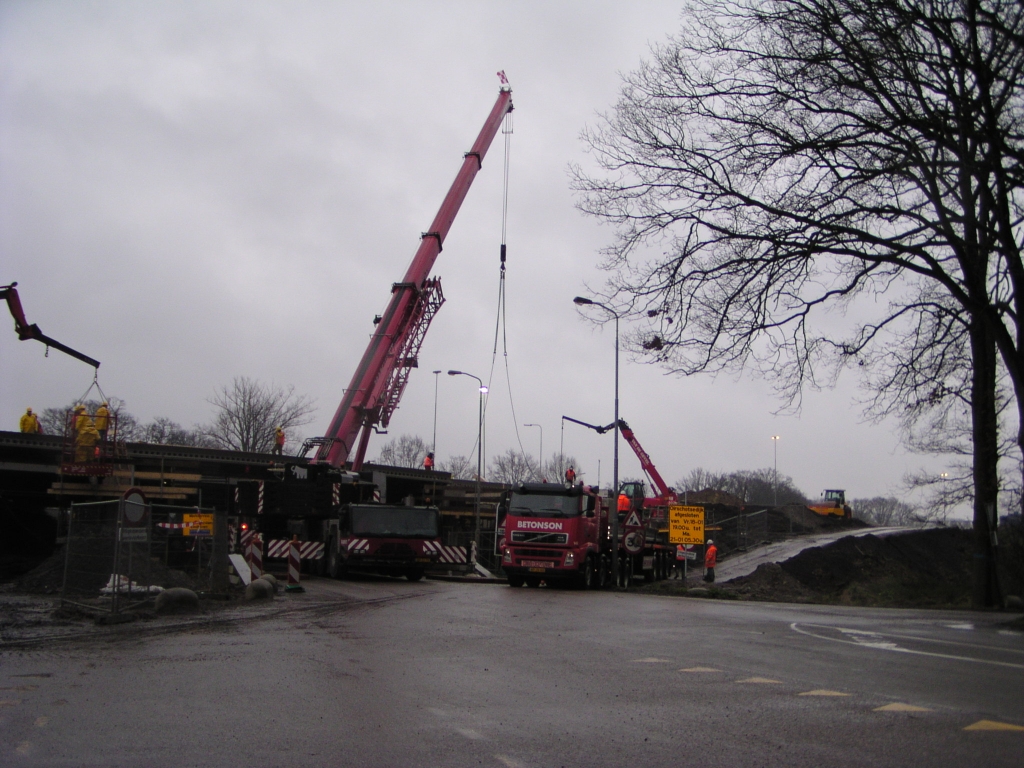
{"points": [[259, 589]]}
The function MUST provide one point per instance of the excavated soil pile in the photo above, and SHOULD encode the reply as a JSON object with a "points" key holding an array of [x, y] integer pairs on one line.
{"points": [[47, 578], [922, 569]]}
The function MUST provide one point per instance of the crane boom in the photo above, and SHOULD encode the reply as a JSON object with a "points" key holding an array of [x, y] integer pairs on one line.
{"points": [[382, 373], [26, 331], [645, 460]]}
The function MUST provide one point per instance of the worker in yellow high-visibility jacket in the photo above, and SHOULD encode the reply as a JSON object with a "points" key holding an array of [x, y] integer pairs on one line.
{"points": [[30, 423], [86, 435], [102, 420]]}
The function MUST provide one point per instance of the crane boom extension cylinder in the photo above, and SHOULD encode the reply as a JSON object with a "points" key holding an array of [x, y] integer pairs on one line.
{"points": [[26, 331], [382, 372]]}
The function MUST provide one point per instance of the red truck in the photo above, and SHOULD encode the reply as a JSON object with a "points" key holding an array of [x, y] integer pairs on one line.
{"points": [[557, 534]]}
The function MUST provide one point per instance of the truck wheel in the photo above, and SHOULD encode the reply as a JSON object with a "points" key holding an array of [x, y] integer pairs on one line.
{"points": [[532, 582], [586, 577], [333, 562], [516, 581], [602, 573], [414, 574]]}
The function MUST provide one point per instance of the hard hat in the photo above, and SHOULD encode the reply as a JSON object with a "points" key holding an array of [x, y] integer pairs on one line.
{"points": [[105, 404], [710, 541], [79, 407], [28, 410]]}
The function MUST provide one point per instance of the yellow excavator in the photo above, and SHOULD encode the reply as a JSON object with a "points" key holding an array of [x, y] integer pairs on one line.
{"points": [[833, 504]]}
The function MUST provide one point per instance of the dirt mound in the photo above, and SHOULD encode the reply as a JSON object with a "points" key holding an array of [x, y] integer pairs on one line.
{"points": [[47, 578], [923, 569], [770, 583]]}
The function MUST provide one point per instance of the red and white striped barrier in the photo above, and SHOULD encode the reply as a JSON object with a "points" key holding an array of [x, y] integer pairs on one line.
{"points": [[336, 494], [254, 556], [259, 498], [294, 565], [174, 526], [454, 555]]}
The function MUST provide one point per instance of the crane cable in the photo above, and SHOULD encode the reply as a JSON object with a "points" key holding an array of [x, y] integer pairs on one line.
{"points": [[500, 324]]}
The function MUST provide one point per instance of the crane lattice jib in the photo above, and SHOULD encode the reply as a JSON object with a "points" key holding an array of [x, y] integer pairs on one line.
{"points": [[376, 385]]}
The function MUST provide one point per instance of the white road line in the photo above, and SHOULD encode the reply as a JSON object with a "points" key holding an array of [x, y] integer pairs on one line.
{"points": [[887, 646]]}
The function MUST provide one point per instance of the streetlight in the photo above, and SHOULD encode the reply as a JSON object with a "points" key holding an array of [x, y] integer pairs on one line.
{"points": [[540, 462], [775, 481], [582, 301], [479, 454], [433, 443]]}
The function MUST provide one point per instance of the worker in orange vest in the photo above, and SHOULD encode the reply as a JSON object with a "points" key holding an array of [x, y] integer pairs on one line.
{"points": [[710, 561], [680, 561], [570, 476], [623, 503], [428, 461]]}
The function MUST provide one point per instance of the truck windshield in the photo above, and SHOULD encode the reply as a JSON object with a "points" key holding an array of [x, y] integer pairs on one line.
{"points": [[531, 505], [409, 522]]}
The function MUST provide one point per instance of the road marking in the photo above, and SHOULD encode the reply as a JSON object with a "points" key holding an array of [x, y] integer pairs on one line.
{"points": [[41, 721], [469, 733], [759, 680], [897, 707], [868, 640], [960, 625], [508, 762], [822, 692], [9, 702], [700, 669], [651, 660], [992, 725]]}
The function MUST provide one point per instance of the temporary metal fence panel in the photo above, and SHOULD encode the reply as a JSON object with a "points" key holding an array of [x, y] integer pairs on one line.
{"points": [[119, 554]]}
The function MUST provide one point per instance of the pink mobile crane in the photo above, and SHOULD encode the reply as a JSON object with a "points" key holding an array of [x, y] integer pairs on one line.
{"points": [[382, 538]]}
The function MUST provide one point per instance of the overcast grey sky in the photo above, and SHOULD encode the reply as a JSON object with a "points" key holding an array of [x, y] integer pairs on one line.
{"points": [[192, 191]]}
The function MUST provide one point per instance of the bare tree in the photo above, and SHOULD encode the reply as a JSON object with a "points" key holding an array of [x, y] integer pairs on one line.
{"points": [[513, 467], [405, 451], [885, 510], [752, 486], [164, 431], [460, 467], [798, 156], [554, 468], [249, 411], [54, 420]]}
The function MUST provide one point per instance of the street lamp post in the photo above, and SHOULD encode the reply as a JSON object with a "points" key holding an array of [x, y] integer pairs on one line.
{"points": [[613, 513], [540, 461], [775, 477], [433, 442], [479, 454]]}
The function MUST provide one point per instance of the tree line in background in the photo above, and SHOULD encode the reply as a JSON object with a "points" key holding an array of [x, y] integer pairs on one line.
{"points": [[511, 467], [755, 487], [247, 414]]}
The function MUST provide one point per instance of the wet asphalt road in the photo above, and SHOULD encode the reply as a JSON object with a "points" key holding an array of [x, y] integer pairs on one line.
{"points": [[387, 673]]}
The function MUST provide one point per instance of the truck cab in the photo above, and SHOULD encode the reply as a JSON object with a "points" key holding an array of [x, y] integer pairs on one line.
{"points": [[391, 540], [556, 534]]}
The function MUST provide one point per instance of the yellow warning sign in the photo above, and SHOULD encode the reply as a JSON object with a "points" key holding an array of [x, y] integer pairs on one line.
{"points": [[197, 524], [686, 525]]}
